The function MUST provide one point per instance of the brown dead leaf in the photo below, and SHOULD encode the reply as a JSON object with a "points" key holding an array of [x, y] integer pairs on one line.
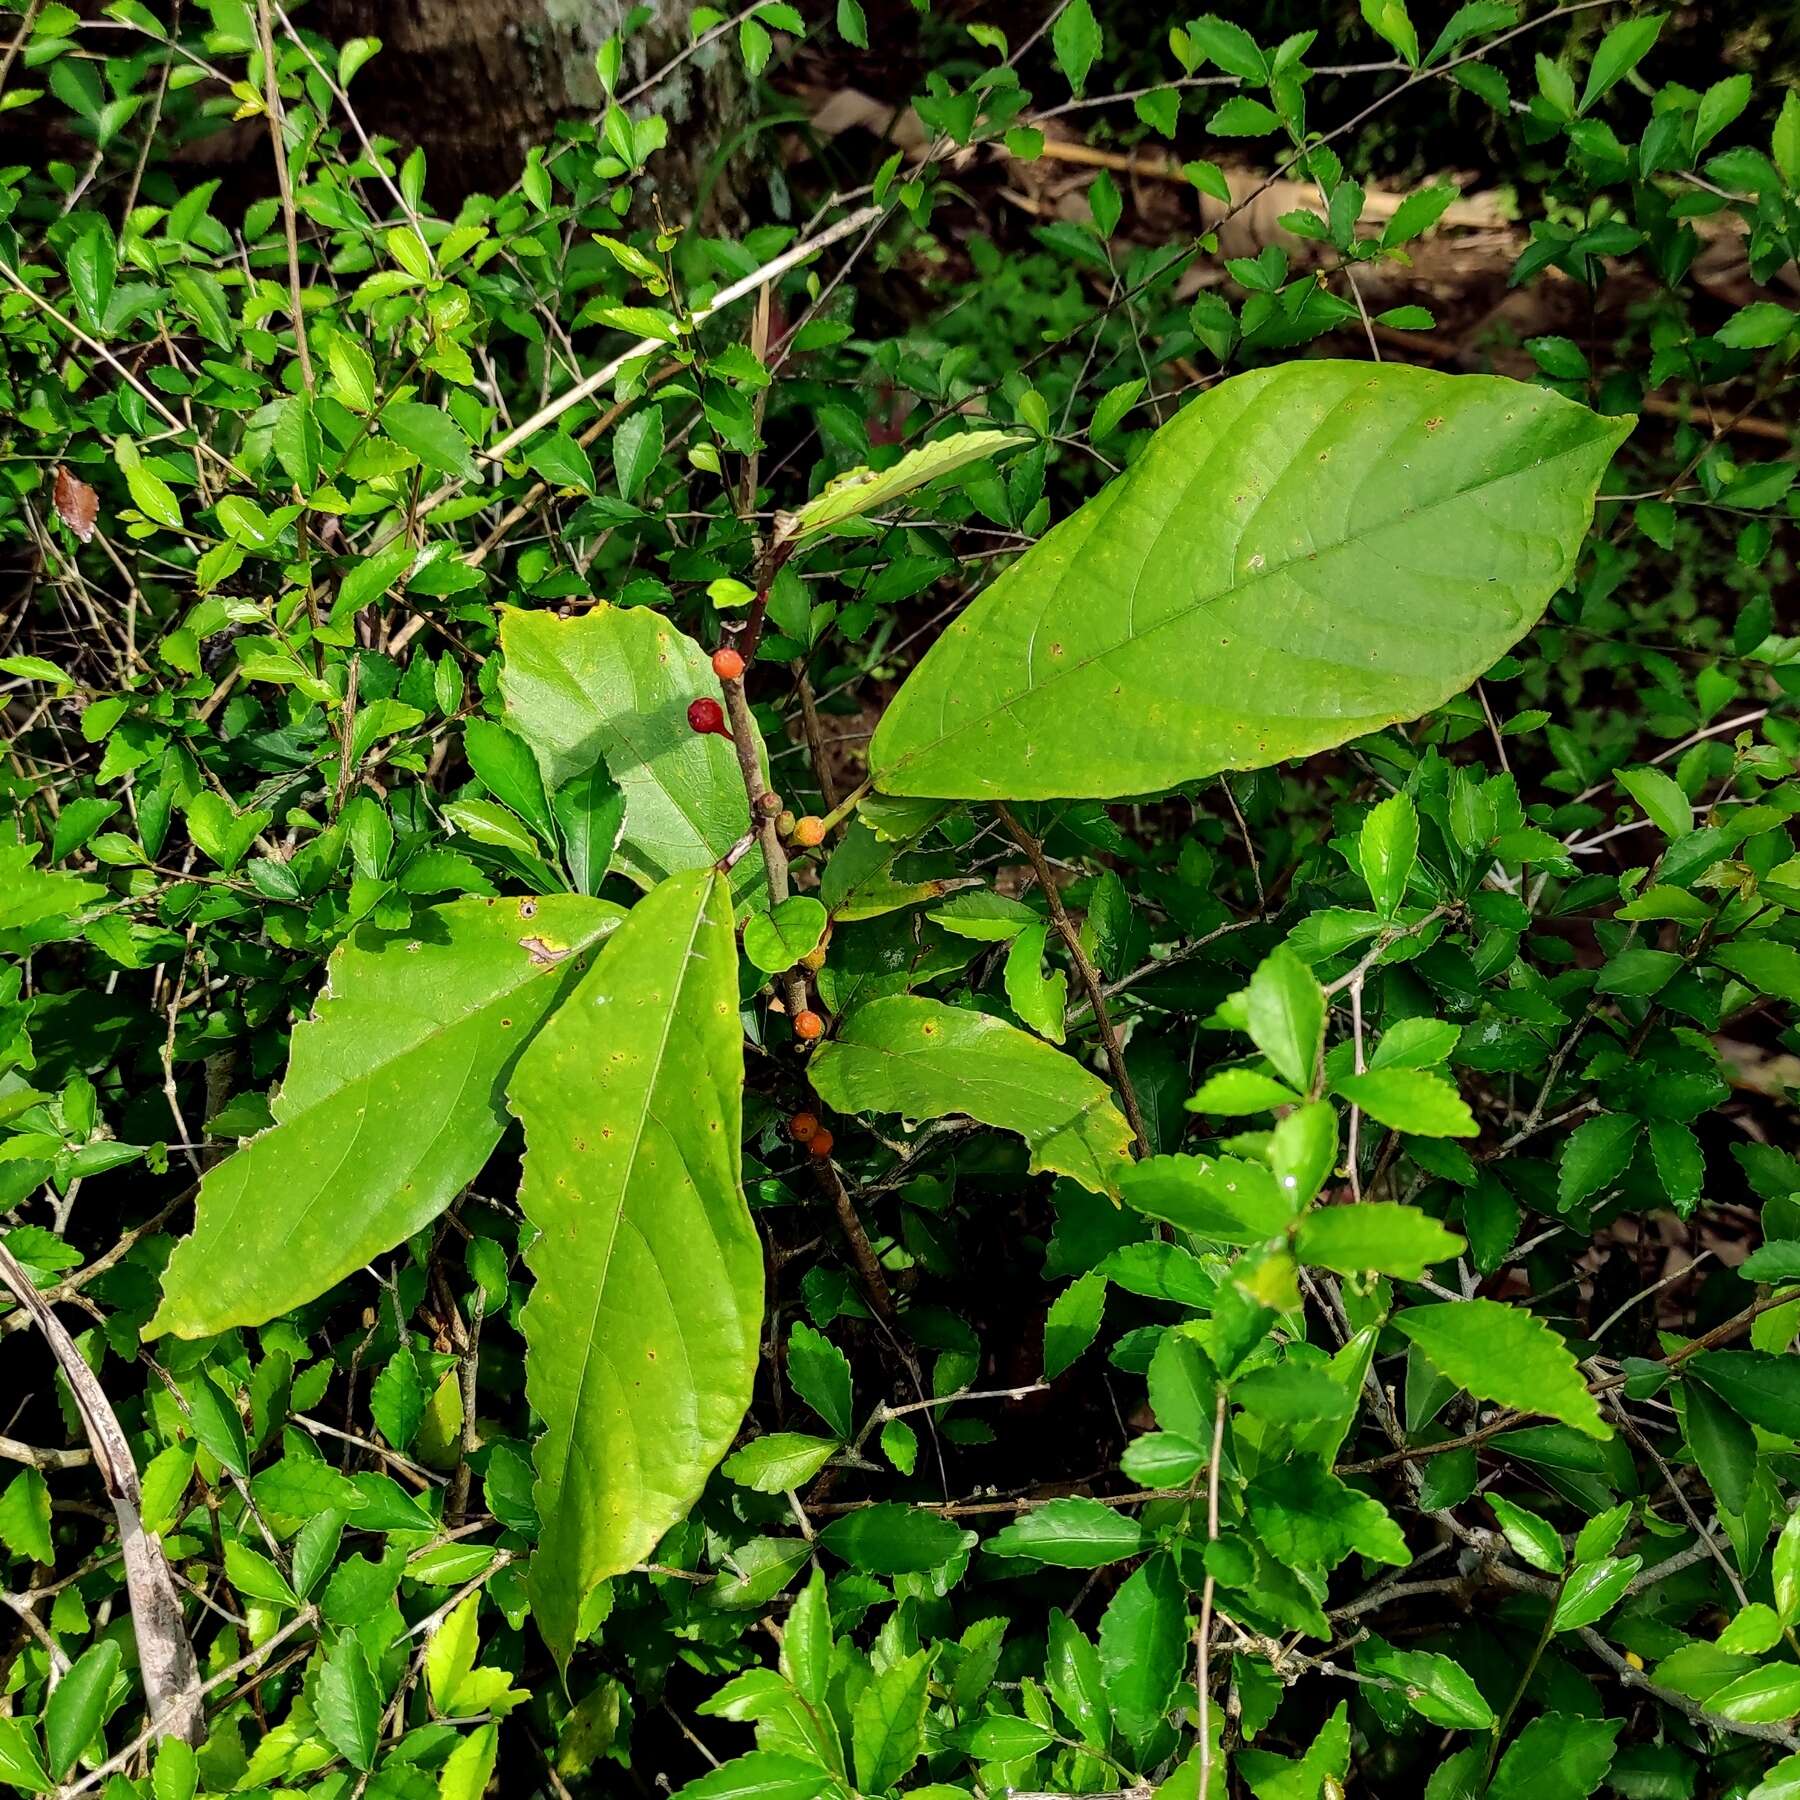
{"points": [[77, 505]]}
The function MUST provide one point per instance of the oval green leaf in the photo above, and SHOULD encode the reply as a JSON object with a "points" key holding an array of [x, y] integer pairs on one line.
{"points": [[392, 1102], [1076, 1533], [613, 686], [777, 939], [890, 1539], [74, 1712], [926, 1060], [1303, 555], [1381, 1235]]}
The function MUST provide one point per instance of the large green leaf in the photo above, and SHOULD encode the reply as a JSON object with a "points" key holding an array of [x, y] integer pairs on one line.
{"points": [[641, 1331], [1304, 554], [613, 685], [926, 1060], [393, 1100]]}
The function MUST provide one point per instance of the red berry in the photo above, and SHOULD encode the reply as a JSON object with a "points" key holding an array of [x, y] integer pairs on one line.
{"points": [[803, 1127], [809, 831], [727, 665], [820, 1143], [808, 1025], [707, 716]]}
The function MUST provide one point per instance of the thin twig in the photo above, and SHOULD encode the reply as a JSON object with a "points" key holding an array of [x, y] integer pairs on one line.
{"points": [[148, 394], [772, 270], [862, 1252], [14, 1451], [1090, 977], [815, 736], [457, 1503], [166, 1662], [978, 1509], [278, 140], [1203, 1676], [159, 1725], [25, 1605], [1262, 899], [18, 42], [1695, 1522], [72, 1284], [884, 1412]]}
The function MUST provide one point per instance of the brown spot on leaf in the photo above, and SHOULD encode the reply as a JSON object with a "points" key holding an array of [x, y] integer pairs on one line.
{"points": [[545, 954]]}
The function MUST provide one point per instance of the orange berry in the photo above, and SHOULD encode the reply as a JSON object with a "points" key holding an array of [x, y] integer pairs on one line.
{"points": [[808, 1025], [819, 1144], [803, 1128], [727, 664], [809, 831]]}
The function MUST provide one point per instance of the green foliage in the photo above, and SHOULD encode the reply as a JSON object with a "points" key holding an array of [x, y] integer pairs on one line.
{"points": [[391, 1104], [929, 1061], [610, 688], [1372, 511], [945, 1001], [641, 1333]]}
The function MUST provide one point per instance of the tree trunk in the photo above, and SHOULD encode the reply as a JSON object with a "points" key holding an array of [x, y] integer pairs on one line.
{"points": [[478, 82]]}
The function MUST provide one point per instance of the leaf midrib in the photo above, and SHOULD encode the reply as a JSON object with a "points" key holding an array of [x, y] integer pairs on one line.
{"points": [[624, 1183]]}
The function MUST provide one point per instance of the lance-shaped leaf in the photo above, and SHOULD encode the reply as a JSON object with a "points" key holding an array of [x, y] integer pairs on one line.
{"points": [[859, 492], [394, 1098], [613, 686], [1303, 555], [926, 1060], [641, 1332]]}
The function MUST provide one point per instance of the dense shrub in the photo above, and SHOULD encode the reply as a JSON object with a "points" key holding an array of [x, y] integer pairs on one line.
{"points": [[986, 987]]}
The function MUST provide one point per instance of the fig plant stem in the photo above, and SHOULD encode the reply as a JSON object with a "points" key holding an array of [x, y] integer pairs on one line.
{"points": [[1090, 977]]}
